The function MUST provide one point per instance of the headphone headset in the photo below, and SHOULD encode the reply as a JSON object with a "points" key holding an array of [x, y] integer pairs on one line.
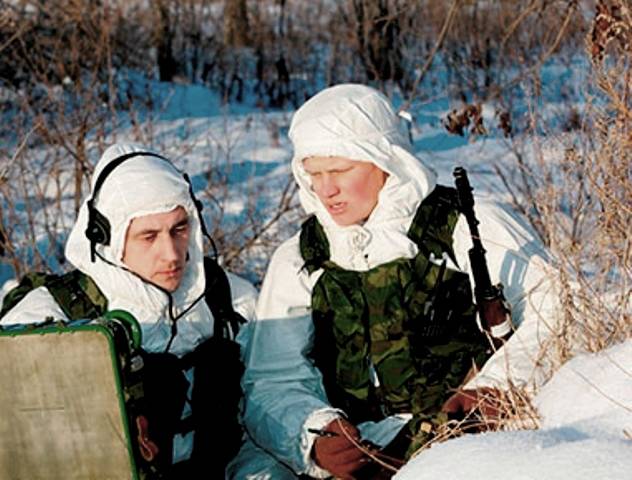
{"points": [[99, 229]]}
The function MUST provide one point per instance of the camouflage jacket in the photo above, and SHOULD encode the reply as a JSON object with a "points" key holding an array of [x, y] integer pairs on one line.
{"points": [[400, 336]]}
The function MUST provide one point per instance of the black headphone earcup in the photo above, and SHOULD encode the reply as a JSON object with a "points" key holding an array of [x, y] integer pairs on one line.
{"points": [[98, 230]]}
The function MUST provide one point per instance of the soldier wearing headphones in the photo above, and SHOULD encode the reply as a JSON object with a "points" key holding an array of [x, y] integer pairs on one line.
{"points": [[139, 239]]}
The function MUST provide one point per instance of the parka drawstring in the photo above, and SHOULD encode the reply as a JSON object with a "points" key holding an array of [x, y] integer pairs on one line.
{"points": [[358, 241], [174, 318]]}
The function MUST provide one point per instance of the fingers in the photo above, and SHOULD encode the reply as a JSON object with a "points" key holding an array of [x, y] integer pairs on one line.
{"points": [[485, 400], [489, 403], [339, 454], [462, 401], [452, 405]]}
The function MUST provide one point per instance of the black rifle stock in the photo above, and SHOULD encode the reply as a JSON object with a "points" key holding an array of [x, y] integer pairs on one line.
{"points": [[493, 309]]}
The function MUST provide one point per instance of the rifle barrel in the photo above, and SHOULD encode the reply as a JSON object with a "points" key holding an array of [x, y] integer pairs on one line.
{"points": [[464, 190], [494, 311]]}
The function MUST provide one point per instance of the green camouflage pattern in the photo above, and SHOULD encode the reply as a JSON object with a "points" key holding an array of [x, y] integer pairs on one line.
{"points": [[80, 299], [75, 292], [409, 322]]}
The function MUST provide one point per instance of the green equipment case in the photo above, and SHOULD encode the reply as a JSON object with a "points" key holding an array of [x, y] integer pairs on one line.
{"points": [[68, 393]]}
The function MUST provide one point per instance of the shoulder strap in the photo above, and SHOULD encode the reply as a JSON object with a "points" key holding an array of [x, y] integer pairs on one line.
{"points": [[434, 222], [219, 300], [78, 295], [28, 282], [313, 244], [431, 229], [75, 292]]}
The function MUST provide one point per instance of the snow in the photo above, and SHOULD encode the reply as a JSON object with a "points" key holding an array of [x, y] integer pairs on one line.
{"points": [[585, 409], [585, 433]]}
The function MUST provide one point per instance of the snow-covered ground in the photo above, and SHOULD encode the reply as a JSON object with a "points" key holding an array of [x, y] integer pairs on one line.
{"points": [[585, 434], [586, 408]]}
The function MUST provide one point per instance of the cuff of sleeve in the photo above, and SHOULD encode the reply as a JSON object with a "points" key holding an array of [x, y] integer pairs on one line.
{"points": [[317, 420]]}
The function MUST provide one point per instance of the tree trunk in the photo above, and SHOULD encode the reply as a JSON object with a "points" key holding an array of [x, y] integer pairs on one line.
{"points": [[377, 33], [236, 26], [167, 65]]}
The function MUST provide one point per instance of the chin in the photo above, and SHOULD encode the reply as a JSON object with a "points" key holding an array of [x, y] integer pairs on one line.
{"points": [[169, 286]]}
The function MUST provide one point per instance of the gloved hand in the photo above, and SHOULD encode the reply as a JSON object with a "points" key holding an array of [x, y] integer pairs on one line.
{"points": [[486, 401], [337, 453]]}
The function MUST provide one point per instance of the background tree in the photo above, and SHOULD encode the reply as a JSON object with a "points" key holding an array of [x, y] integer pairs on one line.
{"points": [[164, 34]]}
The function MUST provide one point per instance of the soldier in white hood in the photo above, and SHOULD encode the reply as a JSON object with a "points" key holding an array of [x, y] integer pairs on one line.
{"points": [[139, 238], [365, 321]]}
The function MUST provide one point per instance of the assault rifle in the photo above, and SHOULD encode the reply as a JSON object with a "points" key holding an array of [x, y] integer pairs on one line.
{"points": [[493, 309]]}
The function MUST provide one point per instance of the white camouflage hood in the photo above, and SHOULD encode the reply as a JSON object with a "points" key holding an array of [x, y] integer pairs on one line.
{"points": [[359, 123], [139, 186]]}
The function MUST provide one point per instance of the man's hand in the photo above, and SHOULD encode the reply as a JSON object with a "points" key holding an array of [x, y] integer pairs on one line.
{"points": [[339, 453], [485, 401]]}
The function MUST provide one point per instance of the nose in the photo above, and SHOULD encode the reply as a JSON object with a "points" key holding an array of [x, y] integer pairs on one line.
{"points": [[169, 249], [328, 186]]}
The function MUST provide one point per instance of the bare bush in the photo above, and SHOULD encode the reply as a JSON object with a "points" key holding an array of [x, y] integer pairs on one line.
{"points": [[601, 262], [58, 63], [73, 72], [594, 193], [575, 189], [573, 184]]}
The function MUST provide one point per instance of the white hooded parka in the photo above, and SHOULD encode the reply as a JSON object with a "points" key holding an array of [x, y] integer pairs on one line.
{"points": [[285, 397], [142, 185]]}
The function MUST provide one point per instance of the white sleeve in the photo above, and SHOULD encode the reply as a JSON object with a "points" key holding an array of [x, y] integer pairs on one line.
{"points": [[244, 296], [287, 287], [519, 260], [37, 306], [284, 394]]}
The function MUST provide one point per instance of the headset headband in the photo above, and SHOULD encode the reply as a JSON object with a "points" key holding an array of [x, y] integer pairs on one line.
{"points": [[98, 228], [115, 163]]}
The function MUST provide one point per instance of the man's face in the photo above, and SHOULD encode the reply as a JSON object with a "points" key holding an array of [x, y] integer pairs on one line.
{"points": [[347, 188], [156, 247]]}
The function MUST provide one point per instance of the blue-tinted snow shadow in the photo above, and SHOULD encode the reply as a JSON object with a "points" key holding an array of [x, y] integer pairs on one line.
{"points": [[245, 179], [233, 173], [439, 142]]}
